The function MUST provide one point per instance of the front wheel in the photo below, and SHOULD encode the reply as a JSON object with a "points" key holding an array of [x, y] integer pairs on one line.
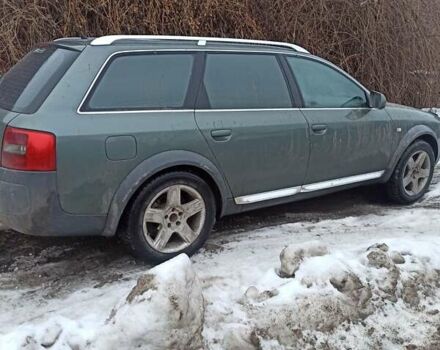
{"points": [[173, 214], [413, 174]]}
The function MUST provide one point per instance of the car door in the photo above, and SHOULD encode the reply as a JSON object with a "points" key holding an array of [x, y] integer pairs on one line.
{"points": [[245, 112], [350, 142]]}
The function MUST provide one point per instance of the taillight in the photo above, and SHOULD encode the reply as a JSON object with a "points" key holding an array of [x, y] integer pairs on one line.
{"points": [[28, 150]]}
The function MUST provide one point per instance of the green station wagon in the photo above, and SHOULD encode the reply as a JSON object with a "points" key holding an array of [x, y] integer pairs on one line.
{"points": [[155, 137]]}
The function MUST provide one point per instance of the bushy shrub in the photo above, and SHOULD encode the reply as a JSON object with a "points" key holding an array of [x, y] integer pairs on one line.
{"points": [[390, 45]]}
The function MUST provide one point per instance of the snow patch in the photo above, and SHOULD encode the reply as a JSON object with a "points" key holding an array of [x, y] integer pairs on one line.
{"points": [[328, 294], [163, 311], [434, 192], [292, 256], [373, 285]]}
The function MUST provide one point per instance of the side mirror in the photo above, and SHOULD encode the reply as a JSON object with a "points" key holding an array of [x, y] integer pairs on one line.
{"points": [[377, 100]]}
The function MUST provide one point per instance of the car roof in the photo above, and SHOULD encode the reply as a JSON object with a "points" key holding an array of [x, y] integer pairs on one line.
{"points": [[149, 41]]}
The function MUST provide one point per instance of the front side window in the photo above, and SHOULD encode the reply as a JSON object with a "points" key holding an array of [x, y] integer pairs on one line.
{"points": [[243, 81], [324, 87], [142, 82]]}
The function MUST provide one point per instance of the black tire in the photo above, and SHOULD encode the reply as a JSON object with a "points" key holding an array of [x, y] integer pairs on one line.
{"points": [[133, 232], [395, 187]]}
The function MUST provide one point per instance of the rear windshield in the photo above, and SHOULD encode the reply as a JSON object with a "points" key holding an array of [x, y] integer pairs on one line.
{"points": [[25, 87]]}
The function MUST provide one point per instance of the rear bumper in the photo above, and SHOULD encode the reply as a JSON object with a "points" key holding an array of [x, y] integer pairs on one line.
{"points": [[29, 204]]}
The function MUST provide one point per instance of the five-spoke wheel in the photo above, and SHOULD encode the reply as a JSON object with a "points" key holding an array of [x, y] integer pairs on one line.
{"points": [[413, 173], [173, 214], [417, 172], [174, 218]]}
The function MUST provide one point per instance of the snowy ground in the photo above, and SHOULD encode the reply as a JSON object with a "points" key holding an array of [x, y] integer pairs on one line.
{"points": [[345, 293]]}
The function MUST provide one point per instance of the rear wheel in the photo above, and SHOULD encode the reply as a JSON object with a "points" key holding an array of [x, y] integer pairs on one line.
{"points": [[173, 214], [413, 174]]}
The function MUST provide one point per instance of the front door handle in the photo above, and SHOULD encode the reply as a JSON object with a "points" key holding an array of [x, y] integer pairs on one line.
{"points": [[319, 129], [221, 134]]}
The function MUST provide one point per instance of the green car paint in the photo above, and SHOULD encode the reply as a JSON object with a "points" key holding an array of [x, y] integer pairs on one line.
{"points": [[261, 145], [356, 141]]}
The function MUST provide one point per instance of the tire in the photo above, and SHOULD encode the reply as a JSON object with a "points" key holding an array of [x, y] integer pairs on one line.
{"points": [[398, 188], [166, 220]]}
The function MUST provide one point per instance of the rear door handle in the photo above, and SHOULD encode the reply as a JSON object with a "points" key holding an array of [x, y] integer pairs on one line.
{"points": [[221, 134], [319, 129]]}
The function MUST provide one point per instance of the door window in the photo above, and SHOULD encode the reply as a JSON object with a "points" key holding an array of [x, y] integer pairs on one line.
{"points": [[243, 81], [324, 87], [142, 82]]}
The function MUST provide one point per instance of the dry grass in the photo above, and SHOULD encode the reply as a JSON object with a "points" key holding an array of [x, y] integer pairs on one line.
{"points": [[390, 45]]}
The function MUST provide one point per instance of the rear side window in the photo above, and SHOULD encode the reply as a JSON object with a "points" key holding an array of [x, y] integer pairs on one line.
{"points": [[324, 87], [142, 82], [25, 87], [243, 81]]}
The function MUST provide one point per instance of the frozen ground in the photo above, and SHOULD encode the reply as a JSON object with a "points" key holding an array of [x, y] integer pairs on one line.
{"points": [[338, 290]]}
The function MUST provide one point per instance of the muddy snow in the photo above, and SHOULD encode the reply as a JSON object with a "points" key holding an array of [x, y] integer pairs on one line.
{"points": [[347, 271]]}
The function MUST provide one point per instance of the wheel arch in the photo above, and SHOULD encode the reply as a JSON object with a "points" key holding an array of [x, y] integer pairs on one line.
{"points": [[160, 164], [419, 132], [431, 140]]}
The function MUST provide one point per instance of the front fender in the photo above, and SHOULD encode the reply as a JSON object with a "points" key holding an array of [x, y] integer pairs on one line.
{"points": [[413, 134], [151, 166]]}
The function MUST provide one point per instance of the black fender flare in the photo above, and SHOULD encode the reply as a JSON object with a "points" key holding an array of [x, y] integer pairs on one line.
{"points": [[150, 167], [413, 134]]}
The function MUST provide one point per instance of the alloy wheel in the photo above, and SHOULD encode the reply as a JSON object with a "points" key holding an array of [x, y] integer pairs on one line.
{"points": [[417, 172], [174, 218]]}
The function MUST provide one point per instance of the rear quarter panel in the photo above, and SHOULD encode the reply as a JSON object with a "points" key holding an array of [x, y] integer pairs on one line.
{"points": [[5, 118], [86, 178]]}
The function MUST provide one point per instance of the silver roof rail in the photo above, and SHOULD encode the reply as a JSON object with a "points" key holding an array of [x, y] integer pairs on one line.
{"points": [[201, 41]]}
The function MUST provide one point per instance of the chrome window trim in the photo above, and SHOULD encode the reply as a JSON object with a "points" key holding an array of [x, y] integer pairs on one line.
{"points": [[245, 110], [334, 108], [103, 66], [97, 76], [201, 41], [137, 111], [279, 109], [291, 191], [211, 110]]}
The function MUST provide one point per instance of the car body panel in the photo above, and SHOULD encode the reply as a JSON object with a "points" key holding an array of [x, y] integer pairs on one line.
{"points": [[356, 141], [5, 118], [29, 204], [266, 150], [406, 118], [85, 154]]}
